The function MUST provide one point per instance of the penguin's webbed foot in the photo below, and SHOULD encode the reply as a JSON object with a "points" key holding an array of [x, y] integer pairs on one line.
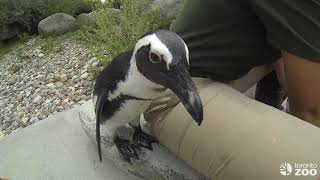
{"points": [[127, 149], [143, 139]]}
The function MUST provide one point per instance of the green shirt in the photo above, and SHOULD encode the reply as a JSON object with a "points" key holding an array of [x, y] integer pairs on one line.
{"points": [[226, 38]]}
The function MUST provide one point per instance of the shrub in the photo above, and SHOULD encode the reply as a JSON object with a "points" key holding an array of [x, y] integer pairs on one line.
{"points": [[116, 32], [27, 13]]}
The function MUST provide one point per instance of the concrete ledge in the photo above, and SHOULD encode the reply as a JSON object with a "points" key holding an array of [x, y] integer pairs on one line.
{"points": [[55, 148], [59, 148]]}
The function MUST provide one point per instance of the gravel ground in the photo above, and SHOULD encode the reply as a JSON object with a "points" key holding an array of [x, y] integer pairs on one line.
{"points": [[35, 84]]}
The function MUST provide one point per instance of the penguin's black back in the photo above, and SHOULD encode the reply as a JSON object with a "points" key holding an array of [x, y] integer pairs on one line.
{"points": [[107, 82], [116, 71]]}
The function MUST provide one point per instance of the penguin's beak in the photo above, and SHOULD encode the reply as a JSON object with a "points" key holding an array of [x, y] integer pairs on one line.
{"points": [[180, 82]]}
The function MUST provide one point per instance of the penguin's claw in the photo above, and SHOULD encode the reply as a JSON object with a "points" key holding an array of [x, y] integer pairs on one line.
{"points": [[127, 149], [142, 139]]}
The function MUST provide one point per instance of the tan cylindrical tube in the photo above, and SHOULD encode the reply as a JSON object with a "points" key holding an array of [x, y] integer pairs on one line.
{"points": [[239, 138]]}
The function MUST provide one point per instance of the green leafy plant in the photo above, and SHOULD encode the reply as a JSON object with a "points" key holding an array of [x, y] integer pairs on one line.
{"points": [[111, 32], [48, 44], [24, 37]]}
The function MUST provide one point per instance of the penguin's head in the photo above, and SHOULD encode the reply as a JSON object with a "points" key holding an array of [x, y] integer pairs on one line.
{"points": [[163, 58]]}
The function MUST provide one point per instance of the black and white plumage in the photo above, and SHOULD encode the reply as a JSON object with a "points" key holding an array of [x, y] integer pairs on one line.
{"points": [[125, 89]]}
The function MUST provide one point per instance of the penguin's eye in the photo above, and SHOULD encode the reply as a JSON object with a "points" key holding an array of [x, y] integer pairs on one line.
{"points": [[154, 57]]}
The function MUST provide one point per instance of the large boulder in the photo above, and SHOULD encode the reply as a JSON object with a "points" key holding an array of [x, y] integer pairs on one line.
{"points": [[8, 32], [83, 19], [57, 24], [168, 8]]}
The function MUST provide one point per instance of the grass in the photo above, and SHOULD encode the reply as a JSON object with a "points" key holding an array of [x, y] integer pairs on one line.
{"points": [[18, 47], [50, 44], [110, 33]]}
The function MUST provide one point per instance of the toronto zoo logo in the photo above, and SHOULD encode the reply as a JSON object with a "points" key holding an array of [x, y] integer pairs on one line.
{"points": [[299, 169], [285, 169]]}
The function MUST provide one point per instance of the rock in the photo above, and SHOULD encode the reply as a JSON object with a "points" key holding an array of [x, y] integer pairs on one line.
{"points": [[48, 101], [94, 59], [51, 86], [57, 77], [82, 102], [36, 83], [7, 122], [19, 97], [85, 70], [65, 100], [19, 114], [95, 64], [25, 120], [72, 89], [59, 84], [6, 132], [88, 84], [6, 125], [5, 92], [40, 55], [11, 82], [114, 10], [62, 96], [57, 102], [167, 8], [83, 19], [37, 100], [77, 98], [34, 119], [28, 93], [75, 79], [52, 91], [7, 119], [71, 103], [84, 76], [63, 78], [68, 66], [1, 134], [15, 68], [57, 24], [87, 97], [8, 32], [14, 125]]}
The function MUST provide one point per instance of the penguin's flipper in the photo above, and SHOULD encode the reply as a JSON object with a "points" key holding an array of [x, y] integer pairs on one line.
{"points": [[143, 139], [98, 109]]}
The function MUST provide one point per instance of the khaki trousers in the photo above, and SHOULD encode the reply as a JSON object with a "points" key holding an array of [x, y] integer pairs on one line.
{"points": [[239, 138]]}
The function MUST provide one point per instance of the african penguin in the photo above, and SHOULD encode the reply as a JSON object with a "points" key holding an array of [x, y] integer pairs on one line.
{"points": [[125, 89]]}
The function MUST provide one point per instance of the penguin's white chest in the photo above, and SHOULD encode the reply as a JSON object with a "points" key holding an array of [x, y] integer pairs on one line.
{"points": [[135, 85]]}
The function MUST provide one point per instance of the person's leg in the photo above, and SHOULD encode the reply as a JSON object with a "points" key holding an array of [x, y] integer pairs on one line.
{"points": [[237, 135], [302, 78], [293, 27], [279, 68], [297, 77]]}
